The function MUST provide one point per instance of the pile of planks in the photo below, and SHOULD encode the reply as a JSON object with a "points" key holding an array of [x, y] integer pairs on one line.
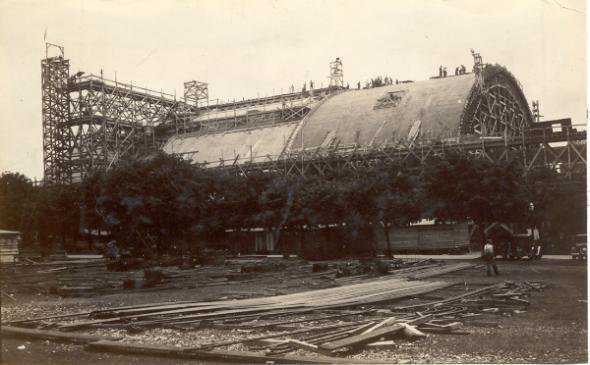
{"points": [[196, 313], [328, 322]]}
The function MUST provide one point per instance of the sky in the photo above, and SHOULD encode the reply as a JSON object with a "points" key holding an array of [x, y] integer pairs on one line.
{"points": [[255, 48]]}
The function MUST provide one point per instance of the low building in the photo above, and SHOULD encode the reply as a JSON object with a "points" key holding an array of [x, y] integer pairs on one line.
{"points": [[9, 245], [425, 236]]}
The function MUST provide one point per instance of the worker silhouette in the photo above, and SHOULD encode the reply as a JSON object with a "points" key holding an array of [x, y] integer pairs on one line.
{"points": [[489, 258]]}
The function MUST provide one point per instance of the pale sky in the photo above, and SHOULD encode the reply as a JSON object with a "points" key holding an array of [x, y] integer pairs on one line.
{"points": [[256, 47]]}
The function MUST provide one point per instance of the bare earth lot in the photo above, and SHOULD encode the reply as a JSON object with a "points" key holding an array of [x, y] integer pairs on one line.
{"points": [[552, 330]]}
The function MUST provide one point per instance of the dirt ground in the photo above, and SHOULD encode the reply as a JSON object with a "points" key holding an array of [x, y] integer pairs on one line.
{"points": [[553, 330]]}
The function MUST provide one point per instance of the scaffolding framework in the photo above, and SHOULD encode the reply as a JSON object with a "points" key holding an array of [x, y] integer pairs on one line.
{"points": [[55, 111], [196, 93], [478, 67], [336, 74], [540, 147], [90, 123]]}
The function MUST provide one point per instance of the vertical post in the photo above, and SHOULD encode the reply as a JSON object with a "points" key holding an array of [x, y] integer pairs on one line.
{"points": [[569, 154], [235, 115], [525, 164]]}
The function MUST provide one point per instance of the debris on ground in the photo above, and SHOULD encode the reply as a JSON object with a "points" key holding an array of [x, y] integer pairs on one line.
{"points": [[333, 322], [94, 277]]}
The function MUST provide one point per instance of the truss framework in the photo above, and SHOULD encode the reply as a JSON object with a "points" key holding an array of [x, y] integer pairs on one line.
{"points": [[55, 111], [497, 113], [111, 120], [196, 93], [336, 77], [91, 123], [563, 151]]}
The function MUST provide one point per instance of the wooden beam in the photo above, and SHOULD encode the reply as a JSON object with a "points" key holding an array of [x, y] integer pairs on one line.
{"points": [[452, 299], [10, 332], [363, 338], [244, 357]]}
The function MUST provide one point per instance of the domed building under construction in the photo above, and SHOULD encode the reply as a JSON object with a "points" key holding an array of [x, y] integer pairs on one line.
{"points": [[455, 109], [90, 123]]}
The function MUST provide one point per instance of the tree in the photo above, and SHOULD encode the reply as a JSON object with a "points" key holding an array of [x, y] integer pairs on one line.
{"points": [[558, 206], [399, 200], [274, 206], [15, 194], [49, 213], [145, 203], [461, 188]]}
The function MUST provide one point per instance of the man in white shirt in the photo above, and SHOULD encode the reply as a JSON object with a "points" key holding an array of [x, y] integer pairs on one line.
{"points": [[488, 256]]}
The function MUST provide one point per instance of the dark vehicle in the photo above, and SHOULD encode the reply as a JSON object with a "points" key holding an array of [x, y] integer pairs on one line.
{"points": [[579, 251]]}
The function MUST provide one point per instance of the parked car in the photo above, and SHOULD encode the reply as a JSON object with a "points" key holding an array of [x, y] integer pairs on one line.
{"points": [[579, 251]]}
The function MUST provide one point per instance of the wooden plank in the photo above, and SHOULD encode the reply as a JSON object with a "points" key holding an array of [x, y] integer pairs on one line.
{"points": [[440, 271], [4, 294], [361, 339], [244, 357], [322, 337], [306, 301], [378, 344], [274, 335], [314, 296], [452, 299], [9, 332], [303, 345], [340, 333], [321, 318]]}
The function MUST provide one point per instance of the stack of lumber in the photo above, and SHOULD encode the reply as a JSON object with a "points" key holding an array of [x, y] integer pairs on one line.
{"points": [[304, 302], [328, 322], [322, 305], [478, 307]]}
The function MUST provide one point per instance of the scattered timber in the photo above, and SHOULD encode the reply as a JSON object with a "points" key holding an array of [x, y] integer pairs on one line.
{"points": [[77, 338]]}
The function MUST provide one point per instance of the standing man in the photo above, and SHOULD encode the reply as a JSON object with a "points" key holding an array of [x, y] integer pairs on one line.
{"points": [[112, 251], [488, 256], [112, 255], [536, 244]]}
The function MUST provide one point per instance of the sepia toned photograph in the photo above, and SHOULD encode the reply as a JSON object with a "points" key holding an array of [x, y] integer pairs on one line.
{"points": [[293, 182]]}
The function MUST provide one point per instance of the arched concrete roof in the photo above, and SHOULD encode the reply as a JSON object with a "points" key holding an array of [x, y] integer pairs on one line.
{"points": [[361, 117], [435, 109]]}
